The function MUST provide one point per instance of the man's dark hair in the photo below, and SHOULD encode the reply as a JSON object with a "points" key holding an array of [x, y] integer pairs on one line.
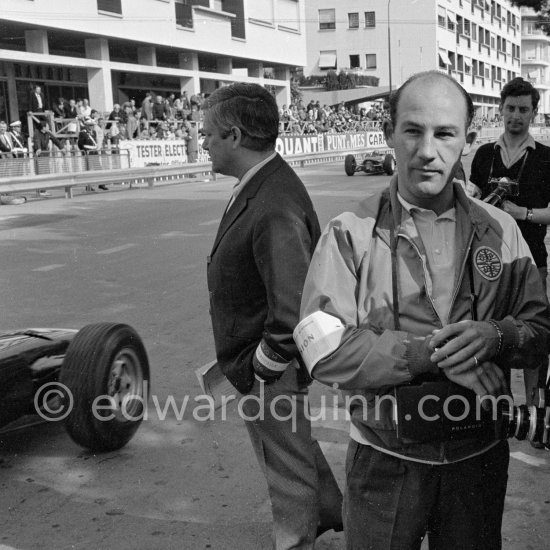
{"points": [[396, 96], [249, 107], [518, 87]]}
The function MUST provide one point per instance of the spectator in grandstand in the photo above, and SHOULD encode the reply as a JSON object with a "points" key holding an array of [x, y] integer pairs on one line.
{"points": [[116, 113], [195, 114], [193, 141], [6, 142], [71, 111], [37, 102], [196, 100], [185, 103], [59, 108], [44, 140], [131, 122], [85, 110], [161, 111], [147, 106]]}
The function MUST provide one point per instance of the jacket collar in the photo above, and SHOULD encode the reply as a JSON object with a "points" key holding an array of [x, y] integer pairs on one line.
{"points": [[389, 210], [248, 192]]}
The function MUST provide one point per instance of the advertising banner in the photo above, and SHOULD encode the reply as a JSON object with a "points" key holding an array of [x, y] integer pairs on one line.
{"points": [[290, 145], [154, 152]]}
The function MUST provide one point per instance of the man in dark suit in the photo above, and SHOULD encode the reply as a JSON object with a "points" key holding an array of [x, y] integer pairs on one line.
{"points": [[256, 272], [37, 102]]}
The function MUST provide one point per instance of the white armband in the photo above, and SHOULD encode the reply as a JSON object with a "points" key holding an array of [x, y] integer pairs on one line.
{"points": [[317, 336]]}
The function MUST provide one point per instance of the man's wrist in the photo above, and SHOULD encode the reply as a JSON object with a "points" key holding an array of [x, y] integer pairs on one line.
{"points": [[529, 215]]}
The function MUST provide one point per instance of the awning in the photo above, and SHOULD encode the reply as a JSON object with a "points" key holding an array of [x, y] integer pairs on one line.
{"points": [[444, 59], [327, 61], [451, 17], [467, 63], [533, 74]]}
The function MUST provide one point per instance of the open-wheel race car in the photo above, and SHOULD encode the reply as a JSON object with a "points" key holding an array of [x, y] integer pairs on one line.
{"points": [[372, 163], [94, 380]]}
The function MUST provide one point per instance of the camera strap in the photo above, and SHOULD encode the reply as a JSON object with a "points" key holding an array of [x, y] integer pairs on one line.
{"points": [[520, 170]]}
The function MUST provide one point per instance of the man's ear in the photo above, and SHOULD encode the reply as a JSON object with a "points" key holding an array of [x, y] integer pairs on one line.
{"points": [[470, 140], [236, 136], [387, 128]]}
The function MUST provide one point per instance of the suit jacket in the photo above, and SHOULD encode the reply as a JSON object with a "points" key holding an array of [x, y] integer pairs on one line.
{"points": [[34, 102], [257, 268], [6, 143]]}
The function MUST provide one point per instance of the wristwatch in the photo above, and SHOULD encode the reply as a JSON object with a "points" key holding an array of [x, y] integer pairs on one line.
{"points": [[529, 215]]}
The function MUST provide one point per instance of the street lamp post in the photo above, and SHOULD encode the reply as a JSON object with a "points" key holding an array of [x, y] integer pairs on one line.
{"points": [[389, 45]]}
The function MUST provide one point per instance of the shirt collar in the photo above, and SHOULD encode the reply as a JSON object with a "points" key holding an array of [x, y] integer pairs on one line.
{"points": [[411, 209], [249, 174], [528, 142]]}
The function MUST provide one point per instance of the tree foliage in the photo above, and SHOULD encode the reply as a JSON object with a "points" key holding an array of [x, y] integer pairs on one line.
{"points": [[541, 8]]}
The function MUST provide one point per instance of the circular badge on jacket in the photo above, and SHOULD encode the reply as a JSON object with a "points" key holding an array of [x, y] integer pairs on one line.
{"points": [[488, 263]]}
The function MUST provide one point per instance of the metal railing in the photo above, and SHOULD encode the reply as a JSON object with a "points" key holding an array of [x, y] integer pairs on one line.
{"points": [[61, 162]]}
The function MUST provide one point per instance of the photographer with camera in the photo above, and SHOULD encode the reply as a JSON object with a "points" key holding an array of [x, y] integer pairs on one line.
{"points": [[514, 174], [422, 287]]}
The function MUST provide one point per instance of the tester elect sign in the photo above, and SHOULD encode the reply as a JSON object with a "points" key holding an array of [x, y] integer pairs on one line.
{"points": [[144, 152], [288, 146]]}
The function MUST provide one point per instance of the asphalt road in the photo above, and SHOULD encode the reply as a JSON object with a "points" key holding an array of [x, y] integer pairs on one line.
{"points": [[184, 482]]}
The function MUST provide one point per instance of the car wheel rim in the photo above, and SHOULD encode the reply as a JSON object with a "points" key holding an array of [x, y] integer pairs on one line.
{"points": [[125, 385]]}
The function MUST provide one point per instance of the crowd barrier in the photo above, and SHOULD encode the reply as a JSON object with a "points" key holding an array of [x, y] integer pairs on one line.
{"points": [[168, 164]]}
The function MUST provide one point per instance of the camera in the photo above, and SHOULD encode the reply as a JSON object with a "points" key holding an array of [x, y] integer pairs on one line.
{"points": [[531, 423], [444, 411], [501, 189]]}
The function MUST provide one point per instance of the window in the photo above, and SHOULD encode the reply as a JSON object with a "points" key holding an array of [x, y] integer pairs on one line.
{"points": [[327, 59], [451, 20], [370, 19], [466, 29], [371, 61], [467, 65], [236, 7], [354, 62], [112, 6], [441, 17], [474, 32], [493, 41], [444, 60], [327, 19], [353, 20]]}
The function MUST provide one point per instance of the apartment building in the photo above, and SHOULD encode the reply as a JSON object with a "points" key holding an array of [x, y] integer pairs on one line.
{"points": [[478, 42], [535, 58], [113, 50]]}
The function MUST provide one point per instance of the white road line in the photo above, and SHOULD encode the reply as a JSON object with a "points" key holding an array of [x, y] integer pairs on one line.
{"points": [[117, 249], [528, 459], [211, 222], [47, 268], [4, 547], [180, 234]]}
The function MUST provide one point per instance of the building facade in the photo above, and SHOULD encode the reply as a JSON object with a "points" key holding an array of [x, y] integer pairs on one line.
{"points": [[478, 42], [113, 50], [535, 58]]}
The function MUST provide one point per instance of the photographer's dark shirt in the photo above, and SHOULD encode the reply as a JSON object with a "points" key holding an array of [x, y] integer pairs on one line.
{"points": [[534, 188]]}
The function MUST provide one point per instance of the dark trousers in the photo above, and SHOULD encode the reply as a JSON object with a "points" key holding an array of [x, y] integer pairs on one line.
{"points": [[536, 378], [303, 491], [391, 503]]}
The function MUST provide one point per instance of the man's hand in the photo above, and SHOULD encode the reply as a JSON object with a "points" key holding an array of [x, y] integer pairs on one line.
{"points": [[517, 212], [464, 345], [487, 379]]}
